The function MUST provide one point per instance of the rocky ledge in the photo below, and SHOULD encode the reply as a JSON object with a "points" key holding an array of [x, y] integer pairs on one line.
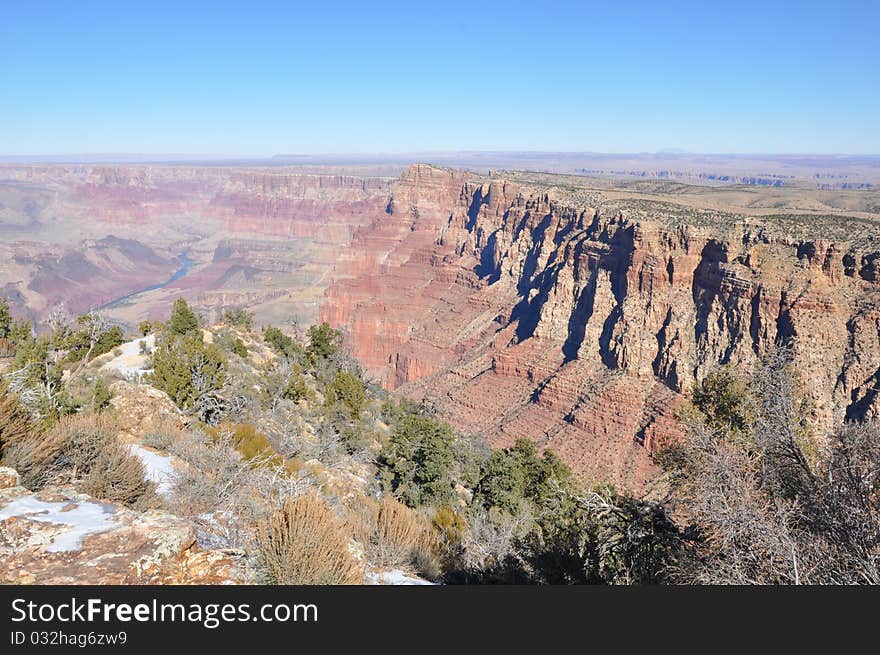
{"points": [[59, 536]]}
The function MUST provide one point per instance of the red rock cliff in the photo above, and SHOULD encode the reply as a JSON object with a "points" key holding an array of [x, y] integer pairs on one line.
{"points": [[581, 328]]}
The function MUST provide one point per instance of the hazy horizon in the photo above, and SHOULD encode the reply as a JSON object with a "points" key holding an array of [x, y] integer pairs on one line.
{"points": [[369, 156]]}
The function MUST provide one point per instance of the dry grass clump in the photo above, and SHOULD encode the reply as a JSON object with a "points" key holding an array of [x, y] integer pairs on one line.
{"points": [[399, 533], [82, 449], [62, 453], [215, 476], [360, 515], [165, 434], [225, 494], [118, 476], [304, 543], [14, 424], [394, 535], [253, 445]]}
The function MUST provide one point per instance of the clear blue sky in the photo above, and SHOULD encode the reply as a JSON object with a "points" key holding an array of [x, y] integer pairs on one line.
{"points": [[259, 78]]}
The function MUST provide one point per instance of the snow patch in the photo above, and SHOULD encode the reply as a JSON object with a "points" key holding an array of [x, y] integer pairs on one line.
{"points": [[130, 363], [394, 577], [157, 468], [81, 518]]}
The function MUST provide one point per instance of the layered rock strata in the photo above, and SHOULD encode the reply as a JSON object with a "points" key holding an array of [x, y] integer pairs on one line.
{"points": [[584, 327]]}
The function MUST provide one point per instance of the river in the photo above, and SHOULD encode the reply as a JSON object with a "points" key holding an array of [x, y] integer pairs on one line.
{"points": [[185, 264]]}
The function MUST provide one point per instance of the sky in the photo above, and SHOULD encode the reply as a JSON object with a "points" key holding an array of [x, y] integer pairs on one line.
{"points": [[256, 78]]}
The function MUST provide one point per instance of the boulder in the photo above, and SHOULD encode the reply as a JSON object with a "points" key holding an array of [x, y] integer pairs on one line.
{"points": [[141, 408], [9, 478]]}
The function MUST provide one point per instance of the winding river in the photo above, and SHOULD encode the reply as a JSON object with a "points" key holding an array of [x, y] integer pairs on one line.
{"points": [[185, 263]]}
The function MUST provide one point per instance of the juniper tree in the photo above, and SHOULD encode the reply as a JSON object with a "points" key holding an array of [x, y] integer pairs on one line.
{"points": [[5, 319], [183, 320]]}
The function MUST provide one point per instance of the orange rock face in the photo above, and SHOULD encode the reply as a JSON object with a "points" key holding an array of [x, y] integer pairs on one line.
{"points": [[581, 329]]}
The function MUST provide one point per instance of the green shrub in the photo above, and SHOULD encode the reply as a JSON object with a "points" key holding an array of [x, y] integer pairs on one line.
{"points": [[183, 320], [20, 332], [240, 318], [347, 390], [280, 380], [419, 459], [723, 398], [394, 410], [323, 342], [109, 340], [282, 344], [101, 395], [239, 348], [5, 319], [296, 388]]}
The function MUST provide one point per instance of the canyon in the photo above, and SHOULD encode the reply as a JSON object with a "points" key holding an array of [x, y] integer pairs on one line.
{"points": [[89, 235], [575, 311], [582, 317]]}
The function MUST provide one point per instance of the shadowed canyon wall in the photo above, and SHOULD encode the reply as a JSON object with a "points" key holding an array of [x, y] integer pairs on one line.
{"points": [[582, 327]]}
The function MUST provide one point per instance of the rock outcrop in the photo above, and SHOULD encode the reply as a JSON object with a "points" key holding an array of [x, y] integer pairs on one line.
{"points": [[58, 536], [582, 325], [140, 409]]}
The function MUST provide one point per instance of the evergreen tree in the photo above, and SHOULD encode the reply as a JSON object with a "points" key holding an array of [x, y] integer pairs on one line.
{"points": [[348, 391], [282, 344], [186, 368], [323, 342], [183, 320], [5, 319], [420, 459], [512, 476]]}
